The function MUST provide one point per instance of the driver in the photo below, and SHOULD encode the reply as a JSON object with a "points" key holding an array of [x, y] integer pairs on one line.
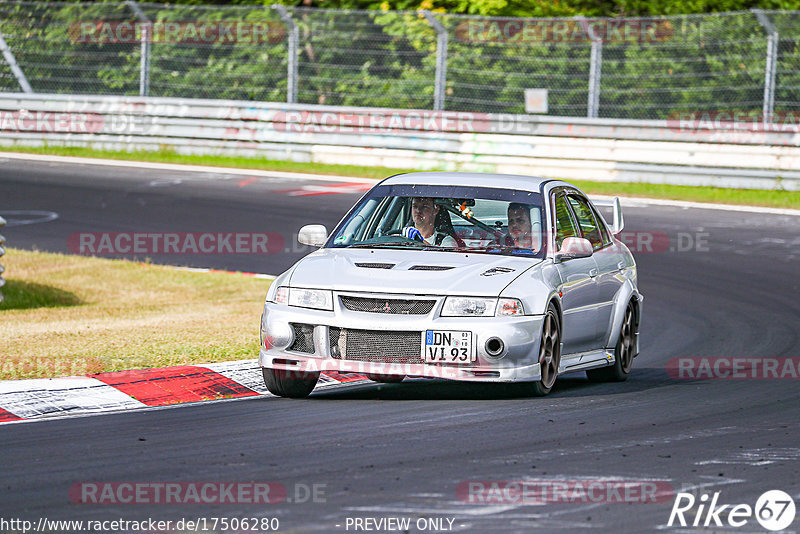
{"points": [[423, 212], [520, 232]]}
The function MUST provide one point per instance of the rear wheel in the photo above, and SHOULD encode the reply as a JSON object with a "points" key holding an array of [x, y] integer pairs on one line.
{"points": [[292, 384], [385, 379], [549, 353], [623, 352]]}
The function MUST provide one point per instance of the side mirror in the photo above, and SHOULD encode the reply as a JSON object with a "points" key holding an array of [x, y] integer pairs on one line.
{"points": [[619, 220], [573, 248], [312, 234]]}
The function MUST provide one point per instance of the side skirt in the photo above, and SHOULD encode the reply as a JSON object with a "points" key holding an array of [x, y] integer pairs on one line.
{"points": [[586, 360]]}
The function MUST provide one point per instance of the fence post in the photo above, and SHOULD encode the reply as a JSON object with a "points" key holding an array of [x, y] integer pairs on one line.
{"points": [[144, 65], [595, 69], [291, 61], [2, 251], [12, 63], [771, 66], [440, 82]]}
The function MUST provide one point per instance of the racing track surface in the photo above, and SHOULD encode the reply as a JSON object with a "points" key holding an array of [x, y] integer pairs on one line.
{"points": [[402, 450]]}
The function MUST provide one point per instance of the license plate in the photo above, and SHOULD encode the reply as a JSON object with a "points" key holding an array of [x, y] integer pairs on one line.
{"points": [[448, 346]]}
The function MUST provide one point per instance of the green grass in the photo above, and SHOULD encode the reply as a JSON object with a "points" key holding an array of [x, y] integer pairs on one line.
{"points": [[76, 315], [751, 197], [717, 195], [166, 155], [22, 295]]}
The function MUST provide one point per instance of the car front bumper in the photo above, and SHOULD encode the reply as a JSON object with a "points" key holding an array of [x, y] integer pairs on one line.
{"points": [[518, 360]]}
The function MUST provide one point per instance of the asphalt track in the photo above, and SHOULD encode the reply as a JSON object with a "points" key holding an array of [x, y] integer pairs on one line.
{"points": [[402, 450]]}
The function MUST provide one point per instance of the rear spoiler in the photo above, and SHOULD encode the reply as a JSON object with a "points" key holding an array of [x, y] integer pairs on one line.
{"points": [[619, 221]]}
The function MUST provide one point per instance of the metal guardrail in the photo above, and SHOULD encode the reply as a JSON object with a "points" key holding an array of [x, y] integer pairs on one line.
{"points": [[2, 252], [736, 155]]}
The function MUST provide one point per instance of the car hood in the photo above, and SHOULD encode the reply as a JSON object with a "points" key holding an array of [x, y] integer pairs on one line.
{"points": [[356, 270]]}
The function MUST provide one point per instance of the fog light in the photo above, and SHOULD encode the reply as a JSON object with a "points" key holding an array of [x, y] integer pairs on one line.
{"points": [[494, 346], [280, 336]]}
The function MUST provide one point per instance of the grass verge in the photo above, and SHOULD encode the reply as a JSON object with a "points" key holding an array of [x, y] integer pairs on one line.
{"points": [[72, 315], [719, 195]]}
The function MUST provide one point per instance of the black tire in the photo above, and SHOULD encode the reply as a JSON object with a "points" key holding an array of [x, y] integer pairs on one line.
{"points": [[292, 384], [549, 353], [623, 352], [385, 379]]}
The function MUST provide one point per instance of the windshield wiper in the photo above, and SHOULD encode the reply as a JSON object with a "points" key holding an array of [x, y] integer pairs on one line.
{"points": [[503, 249], [446, 249], [379, 245]]}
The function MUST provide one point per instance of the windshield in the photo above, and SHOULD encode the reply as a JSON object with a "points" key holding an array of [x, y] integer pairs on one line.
{"points": [[445, 218]]}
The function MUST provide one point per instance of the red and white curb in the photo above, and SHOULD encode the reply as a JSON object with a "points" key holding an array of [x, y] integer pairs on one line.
{"points": [[37, 398]]}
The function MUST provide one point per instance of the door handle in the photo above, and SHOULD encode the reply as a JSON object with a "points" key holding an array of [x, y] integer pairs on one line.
{"points": [[593, 272]]}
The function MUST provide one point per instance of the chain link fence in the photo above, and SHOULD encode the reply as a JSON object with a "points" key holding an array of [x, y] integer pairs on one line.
{"points": [[645, 68]]}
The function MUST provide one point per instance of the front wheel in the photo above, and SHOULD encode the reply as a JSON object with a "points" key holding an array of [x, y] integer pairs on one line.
{"points": [[549, 353], [292, 384], [623, 353]]}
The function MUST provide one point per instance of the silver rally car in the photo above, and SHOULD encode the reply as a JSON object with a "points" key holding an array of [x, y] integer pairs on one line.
{"points": [[463, 276]]}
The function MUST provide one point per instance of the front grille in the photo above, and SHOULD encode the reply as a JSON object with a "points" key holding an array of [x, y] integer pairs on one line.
{"points": [[375, 346], [396, 306], [303, 338]]}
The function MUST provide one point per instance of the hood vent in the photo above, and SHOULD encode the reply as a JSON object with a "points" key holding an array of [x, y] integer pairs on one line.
{"points": [[430, 268], [497, 270], [375, 265]]}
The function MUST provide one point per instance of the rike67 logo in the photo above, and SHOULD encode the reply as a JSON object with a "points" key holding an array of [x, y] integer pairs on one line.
{"points": [[774, 510]]}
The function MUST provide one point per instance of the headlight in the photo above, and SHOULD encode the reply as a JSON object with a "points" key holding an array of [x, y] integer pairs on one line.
{"points": [[318, 299], [481, 307], [510, 307], [469, 307]]}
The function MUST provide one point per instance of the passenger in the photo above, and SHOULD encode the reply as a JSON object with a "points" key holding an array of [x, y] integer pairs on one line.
{"points": [[424, 211]]}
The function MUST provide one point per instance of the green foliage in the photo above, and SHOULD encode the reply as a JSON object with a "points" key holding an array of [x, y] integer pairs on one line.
{"points": [[387, 58]]}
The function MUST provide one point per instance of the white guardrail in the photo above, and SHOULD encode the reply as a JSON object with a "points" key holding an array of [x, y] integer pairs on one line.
{"points": [[2, 252], [708, 151]]}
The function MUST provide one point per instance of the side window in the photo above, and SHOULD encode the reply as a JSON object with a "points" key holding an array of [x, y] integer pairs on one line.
{"points": [[564, 226], [586, 221]]}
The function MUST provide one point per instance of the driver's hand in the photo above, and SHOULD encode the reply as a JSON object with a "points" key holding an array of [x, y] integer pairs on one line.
{"points": [[411, 232]]}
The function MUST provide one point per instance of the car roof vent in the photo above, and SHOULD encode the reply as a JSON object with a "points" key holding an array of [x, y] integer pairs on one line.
{"points": [[375, 265], [430, 268]]}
